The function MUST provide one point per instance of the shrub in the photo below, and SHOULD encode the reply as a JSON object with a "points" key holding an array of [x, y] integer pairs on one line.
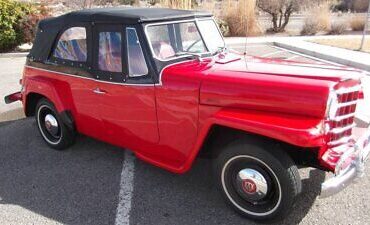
{"points": [[317, 19], [18, 22], [10, 13], [357, 23], [338, 27], [241, 17], [28, 24], [310, 26], [224, 27], [153, 2], [127, 2]]}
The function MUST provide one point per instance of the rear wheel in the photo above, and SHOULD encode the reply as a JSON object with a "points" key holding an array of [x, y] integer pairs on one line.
{"points": [[259, 184], [55, 133]]}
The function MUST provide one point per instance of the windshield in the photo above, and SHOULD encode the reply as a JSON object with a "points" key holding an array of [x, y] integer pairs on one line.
{"points": [[171, 40], [211, 35]]}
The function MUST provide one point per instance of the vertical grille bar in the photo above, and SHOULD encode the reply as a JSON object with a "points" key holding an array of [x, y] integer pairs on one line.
{"points": [[345, 116]]}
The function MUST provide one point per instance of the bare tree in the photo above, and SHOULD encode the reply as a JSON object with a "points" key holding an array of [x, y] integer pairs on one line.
{"points": [[280, 11]]}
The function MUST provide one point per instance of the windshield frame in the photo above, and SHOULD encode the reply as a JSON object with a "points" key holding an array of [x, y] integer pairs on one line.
{"points": [[206, 45]]}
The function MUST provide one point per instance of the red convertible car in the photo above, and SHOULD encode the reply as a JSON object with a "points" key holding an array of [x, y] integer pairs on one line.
{"points": [[162, 83]]}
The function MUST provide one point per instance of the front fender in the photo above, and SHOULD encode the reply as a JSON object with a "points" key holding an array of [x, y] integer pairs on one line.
{"points": [[293, 129], [296, 130]]}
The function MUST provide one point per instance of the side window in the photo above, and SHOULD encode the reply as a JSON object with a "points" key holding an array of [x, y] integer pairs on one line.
{"points": [[136, 61], [72, 45], [110, 51]]}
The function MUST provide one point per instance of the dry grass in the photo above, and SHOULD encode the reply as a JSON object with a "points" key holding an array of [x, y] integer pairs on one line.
{"points": [[241, 17], [318, 19], [338, 27], [177, 4], [210, 6], [352, 44], [357, 23]]}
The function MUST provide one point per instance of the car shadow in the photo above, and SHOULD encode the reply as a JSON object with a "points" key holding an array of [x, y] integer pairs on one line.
{"points": [[193, 199], [76, 186], [81, 185]]}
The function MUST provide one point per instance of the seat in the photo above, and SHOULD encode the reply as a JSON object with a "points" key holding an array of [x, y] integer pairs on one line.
{"points": [[163, 50]]}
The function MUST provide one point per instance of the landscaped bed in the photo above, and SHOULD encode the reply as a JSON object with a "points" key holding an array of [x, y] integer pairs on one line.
{"points": [[348, 43]]}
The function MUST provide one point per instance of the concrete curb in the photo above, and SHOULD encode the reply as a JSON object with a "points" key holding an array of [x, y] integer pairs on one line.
{"points": [[346, 57], [13, 54], [12, 114]]}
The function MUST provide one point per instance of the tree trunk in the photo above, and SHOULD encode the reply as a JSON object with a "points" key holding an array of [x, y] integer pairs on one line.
{"points": [[281, 18], [274, 22], [286, 20]]}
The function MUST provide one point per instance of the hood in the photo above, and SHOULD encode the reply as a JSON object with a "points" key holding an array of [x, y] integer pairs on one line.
{"points": [[272, 85], [285, 68]]}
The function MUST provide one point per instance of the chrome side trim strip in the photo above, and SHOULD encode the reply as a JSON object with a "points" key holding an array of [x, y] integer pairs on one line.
{"points": [[160, 74], [101, 81]]}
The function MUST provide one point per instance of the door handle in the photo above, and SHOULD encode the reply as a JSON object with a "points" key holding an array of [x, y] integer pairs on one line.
{"points": [[99, 91]]}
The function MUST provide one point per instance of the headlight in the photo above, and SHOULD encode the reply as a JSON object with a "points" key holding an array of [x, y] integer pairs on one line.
{"points": [[332, 105]]}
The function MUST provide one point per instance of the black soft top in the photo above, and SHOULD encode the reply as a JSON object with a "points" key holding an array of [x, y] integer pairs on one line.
{"points": [[126, 15], [48, 29]]}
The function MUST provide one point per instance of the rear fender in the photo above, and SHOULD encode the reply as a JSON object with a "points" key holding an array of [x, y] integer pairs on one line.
{"points": [[58, 92]]}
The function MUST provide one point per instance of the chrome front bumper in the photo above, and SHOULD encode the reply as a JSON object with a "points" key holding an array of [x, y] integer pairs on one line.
{"points": [[357, 154]]}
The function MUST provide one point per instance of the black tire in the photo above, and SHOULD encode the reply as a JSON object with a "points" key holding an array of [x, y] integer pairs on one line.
{"points": [[58, 137], [267, 199]]}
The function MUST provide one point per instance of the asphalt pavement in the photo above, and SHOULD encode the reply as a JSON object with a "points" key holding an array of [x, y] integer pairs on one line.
{"points": [[83, 185], [42, 186]]}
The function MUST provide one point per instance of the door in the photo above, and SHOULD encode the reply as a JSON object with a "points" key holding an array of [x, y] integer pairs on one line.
{"points": [[127, 101]]}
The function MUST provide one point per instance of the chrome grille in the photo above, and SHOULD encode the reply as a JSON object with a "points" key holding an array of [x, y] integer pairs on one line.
{"points": [[341, 126]]}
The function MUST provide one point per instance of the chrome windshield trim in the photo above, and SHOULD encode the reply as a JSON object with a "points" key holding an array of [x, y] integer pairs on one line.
{"points": [[176, 22], [218, 29]]}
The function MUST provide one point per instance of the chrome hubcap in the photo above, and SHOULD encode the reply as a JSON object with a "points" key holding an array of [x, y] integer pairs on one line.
{"points": [[251, 184], [51, 125]]}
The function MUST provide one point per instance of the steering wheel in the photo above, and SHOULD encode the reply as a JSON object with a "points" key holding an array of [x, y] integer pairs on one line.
{"points": [[193, 44]]}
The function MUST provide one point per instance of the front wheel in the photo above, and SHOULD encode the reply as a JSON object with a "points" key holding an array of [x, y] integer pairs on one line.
{"points": [[260, 184]]}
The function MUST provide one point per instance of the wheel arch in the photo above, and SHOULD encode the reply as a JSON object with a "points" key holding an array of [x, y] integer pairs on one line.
{"points": [[220, 136], [33, 98], [31, 101], [53, 90]]}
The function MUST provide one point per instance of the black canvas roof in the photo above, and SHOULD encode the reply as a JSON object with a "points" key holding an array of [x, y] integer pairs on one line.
{"points": [[126, 15], [48, 29]]}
